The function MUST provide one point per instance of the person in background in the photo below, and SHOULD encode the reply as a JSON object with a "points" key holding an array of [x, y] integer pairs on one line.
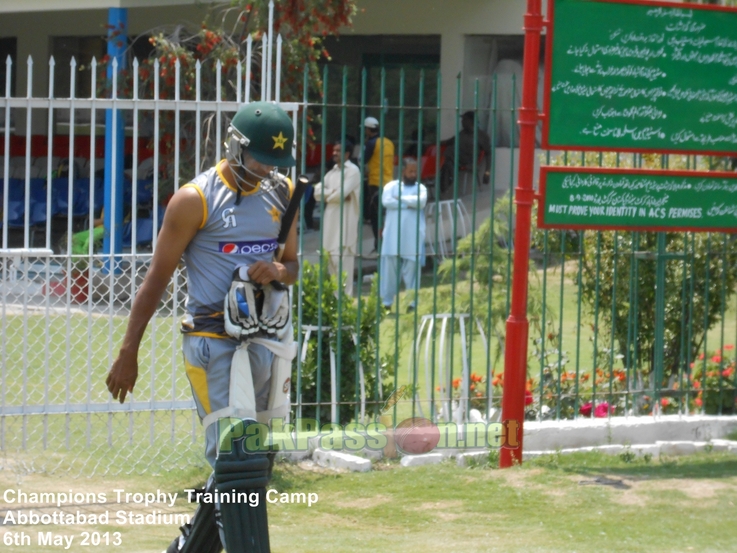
{"points": [[378, 157], [340, 191], [404, 234], [465, 152]]}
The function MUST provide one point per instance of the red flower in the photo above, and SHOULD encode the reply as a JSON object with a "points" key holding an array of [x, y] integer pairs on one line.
{"points": [[729, 346], [528, 398], [698, 402], [586, 409], [717, 359], [696, 384], [701, 356], [603, 409], [664, 402], [726, 373]]}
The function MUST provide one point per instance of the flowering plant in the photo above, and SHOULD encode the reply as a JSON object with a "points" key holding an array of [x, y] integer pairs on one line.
{"points": [[477, 396], [713, 379]]}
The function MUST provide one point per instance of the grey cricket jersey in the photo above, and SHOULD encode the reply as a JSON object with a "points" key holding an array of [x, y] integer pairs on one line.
{"points": [[230, 235]]}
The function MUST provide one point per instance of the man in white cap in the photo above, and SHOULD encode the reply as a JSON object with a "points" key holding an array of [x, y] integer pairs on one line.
{"points": [[378, 157]]}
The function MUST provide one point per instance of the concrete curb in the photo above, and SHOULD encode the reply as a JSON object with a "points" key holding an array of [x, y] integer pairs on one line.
{"points": [[420, 460], [554, 435], [670, 435], [340, 460]]}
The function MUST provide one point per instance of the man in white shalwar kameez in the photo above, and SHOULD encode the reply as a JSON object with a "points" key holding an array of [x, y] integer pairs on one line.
{"points": [[341, 186], [404, 234]]}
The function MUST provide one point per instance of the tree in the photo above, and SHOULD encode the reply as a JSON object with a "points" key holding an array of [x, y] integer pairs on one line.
{"points": [[178, 55], [320, 308], [618, 281]]}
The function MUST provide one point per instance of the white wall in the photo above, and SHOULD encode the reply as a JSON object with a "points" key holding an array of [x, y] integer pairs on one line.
{"points": [[10, 6], [34, 32], [453, 20]]}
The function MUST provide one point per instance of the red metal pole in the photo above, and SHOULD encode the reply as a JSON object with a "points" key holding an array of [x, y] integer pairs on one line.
{"points": [[515, 353]]}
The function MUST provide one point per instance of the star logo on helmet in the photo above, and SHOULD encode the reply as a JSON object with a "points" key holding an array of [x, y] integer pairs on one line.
{"points": [[279, 141]]}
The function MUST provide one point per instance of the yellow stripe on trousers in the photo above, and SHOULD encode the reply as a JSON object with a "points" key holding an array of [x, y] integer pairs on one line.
{"points": [[198, 379]]}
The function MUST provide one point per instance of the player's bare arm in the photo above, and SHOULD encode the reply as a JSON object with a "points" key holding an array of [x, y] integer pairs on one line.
{"points": [[181, 222]]}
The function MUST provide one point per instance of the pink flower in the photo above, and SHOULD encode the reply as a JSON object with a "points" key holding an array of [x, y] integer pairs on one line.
{"points": [[729, 346], [603, 409], [717, 359], [586, 409]]}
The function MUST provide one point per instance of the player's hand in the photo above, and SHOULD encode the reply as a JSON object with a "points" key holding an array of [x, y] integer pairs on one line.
{"points": [[265, 272], [122, 376], [276, 309]]}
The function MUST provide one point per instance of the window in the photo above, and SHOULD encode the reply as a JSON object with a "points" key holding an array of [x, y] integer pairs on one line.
{"points": [[412, 54], [8, 47], [82, 49]]}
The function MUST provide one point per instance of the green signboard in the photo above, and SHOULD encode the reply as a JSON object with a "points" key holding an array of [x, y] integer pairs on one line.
{"points": [[641, 76], [637, 199]]}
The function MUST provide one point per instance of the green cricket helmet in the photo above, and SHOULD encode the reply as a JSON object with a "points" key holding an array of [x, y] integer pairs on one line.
{"points": [[265, 131]]}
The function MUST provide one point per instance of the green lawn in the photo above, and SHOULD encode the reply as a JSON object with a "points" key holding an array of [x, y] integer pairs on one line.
{"points": [[575, 323], [584, 502], [42, 347], [56, 347]]}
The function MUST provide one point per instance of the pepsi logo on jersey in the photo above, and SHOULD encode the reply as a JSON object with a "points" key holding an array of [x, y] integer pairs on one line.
{"points": [[256, 247]]}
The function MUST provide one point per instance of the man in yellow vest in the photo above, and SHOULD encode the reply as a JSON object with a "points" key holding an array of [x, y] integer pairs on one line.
{"points": [[378, 156]]}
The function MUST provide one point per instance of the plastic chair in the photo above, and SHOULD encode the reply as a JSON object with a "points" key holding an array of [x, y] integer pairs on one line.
{"points": [[81, 195], [449, 211], [60, 196], [39, 202], [429, 162], [144, 192], [16, 213], [144, 232]]}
